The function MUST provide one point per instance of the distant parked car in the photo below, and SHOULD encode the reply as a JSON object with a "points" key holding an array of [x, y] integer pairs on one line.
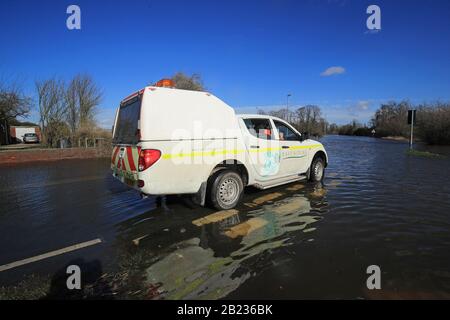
{"points": [[30, 138]]}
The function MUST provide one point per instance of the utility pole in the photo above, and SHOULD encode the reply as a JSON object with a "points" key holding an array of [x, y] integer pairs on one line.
{"points": [[287, 107]]}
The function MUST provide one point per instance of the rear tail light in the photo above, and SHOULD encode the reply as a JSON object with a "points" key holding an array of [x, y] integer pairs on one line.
{"points": [[147, 158]]}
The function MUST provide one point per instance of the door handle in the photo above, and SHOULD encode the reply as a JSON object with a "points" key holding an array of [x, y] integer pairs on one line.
{"points": [[254, 147], [285, 147]]}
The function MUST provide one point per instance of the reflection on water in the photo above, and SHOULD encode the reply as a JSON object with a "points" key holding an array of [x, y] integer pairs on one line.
{"points": [[195, 269]]}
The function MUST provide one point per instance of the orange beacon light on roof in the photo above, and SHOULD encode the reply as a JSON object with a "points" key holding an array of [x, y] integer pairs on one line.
{"points": [[168, 83]]}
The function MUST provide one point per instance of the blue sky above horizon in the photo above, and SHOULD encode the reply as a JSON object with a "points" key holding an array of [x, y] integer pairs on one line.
{"points": [[249, 53]]}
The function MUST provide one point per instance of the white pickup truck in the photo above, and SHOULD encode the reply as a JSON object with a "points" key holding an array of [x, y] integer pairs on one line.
{"points": [[172, 141]]}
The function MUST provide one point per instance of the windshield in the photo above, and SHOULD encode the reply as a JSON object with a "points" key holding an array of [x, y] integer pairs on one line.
{"points": [[126, 131]]}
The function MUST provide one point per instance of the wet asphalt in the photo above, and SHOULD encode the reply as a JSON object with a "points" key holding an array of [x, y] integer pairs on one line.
{"points": [[302, 240]]}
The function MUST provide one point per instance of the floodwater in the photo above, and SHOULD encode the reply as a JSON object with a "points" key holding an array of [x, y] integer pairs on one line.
{"points": [[376, 206]]}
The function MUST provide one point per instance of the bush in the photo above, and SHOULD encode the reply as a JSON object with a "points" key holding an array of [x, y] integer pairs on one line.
{"points": [[363, 131], [431, 126], [433, 123]]}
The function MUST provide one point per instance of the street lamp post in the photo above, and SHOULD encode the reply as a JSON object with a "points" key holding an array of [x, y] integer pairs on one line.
{"points": [[287, 106]]}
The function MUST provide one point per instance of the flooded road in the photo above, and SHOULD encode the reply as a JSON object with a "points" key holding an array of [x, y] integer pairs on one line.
{"points": [[376, 206]]}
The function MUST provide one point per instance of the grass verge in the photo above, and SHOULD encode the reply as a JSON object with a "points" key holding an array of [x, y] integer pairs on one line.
{"points": [[425, 154]]}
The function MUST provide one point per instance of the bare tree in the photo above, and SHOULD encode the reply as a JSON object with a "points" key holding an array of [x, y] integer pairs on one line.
{"points": [[88, 96], [260, 111], [73, 110], [67, 111], [13, 102], [193, 82], [304, 119], [281, 113], [52, 109], [309, 119]]}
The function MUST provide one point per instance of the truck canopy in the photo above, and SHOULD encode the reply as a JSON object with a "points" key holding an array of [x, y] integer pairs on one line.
{"points": [[174, 114]]}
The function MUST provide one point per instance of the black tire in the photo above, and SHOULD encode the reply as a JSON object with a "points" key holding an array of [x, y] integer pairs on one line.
{"points": [[225, 189], [317, 170]]}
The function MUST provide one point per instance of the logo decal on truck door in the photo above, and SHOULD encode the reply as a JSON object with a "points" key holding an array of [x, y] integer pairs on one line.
{"points": [[271, 163]]}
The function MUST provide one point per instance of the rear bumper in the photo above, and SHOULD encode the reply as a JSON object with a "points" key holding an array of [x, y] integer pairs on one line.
{"points": [[31, 141], [131, 183]]}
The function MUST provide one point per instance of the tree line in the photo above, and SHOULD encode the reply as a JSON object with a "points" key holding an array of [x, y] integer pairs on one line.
{"points": [[306, 119], [432, 123], [67, 109]]}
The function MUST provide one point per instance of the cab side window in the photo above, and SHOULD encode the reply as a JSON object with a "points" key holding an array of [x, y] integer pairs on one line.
{"points": [[286, 133], [259, 128]]}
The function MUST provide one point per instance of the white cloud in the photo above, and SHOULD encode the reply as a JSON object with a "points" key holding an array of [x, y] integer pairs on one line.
{"points": [[363, 105], [332, 71], [361, 110]]}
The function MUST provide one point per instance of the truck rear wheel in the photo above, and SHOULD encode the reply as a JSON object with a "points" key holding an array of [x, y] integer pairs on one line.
{"points": [[225, 189], [317, 170]]}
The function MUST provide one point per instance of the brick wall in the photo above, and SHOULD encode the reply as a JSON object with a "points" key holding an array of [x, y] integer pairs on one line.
{"points": [[32, 155]]}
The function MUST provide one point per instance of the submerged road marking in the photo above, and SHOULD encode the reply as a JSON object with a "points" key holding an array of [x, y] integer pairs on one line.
{"points": [[245, 228], [49, 254], [263, 199], [295, 187], [267, 197], [215, 217]]}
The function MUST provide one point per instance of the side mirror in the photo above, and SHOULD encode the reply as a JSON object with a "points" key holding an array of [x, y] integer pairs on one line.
{"points": [[305, 136]]}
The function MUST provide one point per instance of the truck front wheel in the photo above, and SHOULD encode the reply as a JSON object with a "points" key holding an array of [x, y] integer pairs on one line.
{"points": [[317, 170], [226, 189]]}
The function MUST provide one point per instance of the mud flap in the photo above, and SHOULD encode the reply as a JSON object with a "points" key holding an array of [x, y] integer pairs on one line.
{"points": [[308, 174], [200, 197]]}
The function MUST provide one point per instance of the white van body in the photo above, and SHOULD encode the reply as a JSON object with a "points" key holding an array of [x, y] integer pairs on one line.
{"points": [[197, 135]]}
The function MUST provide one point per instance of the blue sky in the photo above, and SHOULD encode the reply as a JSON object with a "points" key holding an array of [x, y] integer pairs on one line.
{"points": [[249, 53]]}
